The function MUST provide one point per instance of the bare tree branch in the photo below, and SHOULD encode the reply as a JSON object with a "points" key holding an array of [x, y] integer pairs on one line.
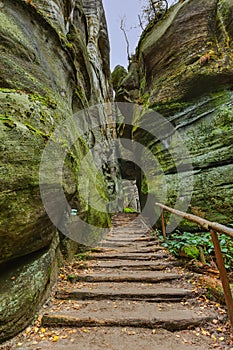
{"points": [[140, 22], [122, 27]]}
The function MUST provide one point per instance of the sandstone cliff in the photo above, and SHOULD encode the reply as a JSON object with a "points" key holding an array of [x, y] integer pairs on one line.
{"points": [[183, 69], [54, 62]]}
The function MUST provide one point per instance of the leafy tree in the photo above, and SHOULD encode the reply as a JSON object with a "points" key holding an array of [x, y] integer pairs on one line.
{"points": [[152, 10]]}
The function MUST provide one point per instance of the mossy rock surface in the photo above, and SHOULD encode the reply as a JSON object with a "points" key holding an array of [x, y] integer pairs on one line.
{"points": [[48, 74], [25, 285], [194, 167]]}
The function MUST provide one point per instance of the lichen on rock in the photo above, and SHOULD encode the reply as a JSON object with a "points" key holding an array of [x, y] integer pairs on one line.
{"points": [[53, 64]]}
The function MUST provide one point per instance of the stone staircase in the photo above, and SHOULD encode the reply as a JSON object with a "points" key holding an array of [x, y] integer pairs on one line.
{"points": [[130, 292]]}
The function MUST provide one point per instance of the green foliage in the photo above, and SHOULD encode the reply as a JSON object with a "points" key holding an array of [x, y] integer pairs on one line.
{"points": [[153, 11], [118, 76], [191, 251], [82, 256], [129, 210], [178, 242]]}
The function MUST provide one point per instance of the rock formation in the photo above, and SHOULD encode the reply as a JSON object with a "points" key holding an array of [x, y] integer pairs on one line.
{"points": [[54, 62], [183, 69]]}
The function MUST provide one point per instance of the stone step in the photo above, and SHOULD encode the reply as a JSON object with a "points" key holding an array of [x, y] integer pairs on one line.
{"points": [[123, 276], [134, 238], [172, 324], [118, 338], [134, 265], [173, 317], [115, 245], [132, 248], [128, 256], [127, 239], [115, 291]]}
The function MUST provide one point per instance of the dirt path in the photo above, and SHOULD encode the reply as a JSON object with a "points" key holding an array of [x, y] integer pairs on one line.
{"points": [[130, 294]]}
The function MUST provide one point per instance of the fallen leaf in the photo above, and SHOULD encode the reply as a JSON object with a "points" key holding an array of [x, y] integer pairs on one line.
{"points": [[85, 330], [35, 329], [55, 338], [204, 332], [28, 330]]}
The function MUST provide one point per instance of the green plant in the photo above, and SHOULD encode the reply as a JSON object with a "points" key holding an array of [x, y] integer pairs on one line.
{"points": [[129, 210], [178, 242], [81, 256]]}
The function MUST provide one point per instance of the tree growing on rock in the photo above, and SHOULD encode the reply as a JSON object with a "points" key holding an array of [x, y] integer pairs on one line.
{"points": [[152, 10]]}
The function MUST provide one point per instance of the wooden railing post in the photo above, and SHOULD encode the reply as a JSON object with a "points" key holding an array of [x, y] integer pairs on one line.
{"points": [[163, 225], [223, 276], [214, 227]]}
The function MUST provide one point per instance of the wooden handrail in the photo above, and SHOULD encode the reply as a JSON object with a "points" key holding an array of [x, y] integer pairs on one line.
{"points": [[207, 225], [213, 227]]}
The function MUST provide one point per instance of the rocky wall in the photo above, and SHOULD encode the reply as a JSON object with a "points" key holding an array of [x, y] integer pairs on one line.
{"points": [[54, 62], [183, 69]]}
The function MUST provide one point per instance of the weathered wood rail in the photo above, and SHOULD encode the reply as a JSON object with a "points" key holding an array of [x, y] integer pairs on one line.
{"points": [[214, 229]]}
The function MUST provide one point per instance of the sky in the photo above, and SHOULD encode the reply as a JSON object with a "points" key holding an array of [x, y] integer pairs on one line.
{"points": [[115, 10]]}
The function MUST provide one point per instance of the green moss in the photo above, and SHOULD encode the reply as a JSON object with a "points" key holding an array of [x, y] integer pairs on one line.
{"points": [[11, 30], [81, 94], [47, 101], [170, 108], [142, 84], [69, 45], [144, 186], [82, 257], [37, 131], [4, 90], [9, 123], [222, 19]]}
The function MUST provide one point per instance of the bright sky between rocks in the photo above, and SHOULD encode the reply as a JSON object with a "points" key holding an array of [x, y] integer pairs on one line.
{"points": [[115, 10]]}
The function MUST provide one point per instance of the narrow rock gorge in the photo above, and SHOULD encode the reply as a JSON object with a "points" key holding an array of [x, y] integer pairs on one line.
{"points": [[54, 63]]}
